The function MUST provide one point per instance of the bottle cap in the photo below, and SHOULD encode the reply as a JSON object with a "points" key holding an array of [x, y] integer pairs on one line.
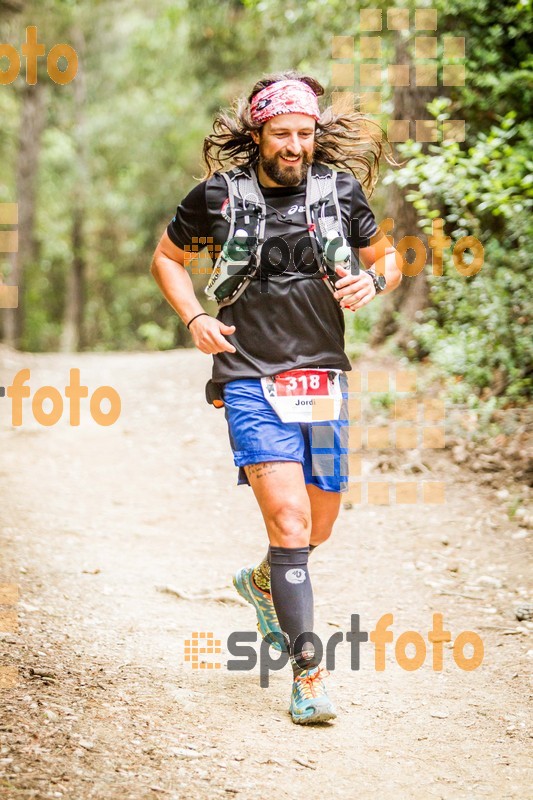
{"points": [[342, 253], [337, 249]]}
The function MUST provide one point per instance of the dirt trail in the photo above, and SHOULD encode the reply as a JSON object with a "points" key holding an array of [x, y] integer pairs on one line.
{"points": [[93, 520]]}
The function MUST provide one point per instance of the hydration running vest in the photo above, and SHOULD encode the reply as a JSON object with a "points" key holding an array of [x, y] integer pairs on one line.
{"points": [[247, 209]]}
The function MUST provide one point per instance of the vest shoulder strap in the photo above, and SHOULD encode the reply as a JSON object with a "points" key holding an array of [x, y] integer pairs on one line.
{"points": [[246, 202], [247, 209]]}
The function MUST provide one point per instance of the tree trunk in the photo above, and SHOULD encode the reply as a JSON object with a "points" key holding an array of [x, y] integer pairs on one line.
{"points": [[32, 122], [11, 6], [72, 333], [401, 306]]}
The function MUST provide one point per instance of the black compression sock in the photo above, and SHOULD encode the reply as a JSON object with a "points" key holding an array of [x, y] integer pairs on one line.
{"points": [[261, 573], [292, 595]]}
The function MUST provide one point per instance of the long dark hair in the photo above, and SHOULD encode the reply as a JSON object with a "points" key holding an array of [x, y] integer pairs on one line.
{"points": [[350, 141]]}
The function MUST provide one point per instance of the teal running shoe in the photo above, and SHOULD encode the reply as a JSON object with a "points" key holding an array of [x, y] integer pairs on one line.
{"points": [[309, 700], [267, 621]]}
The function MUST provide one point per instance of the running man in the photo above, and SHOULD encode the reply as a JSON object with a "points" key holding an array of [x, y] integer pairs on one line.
{"points": [[278, 342]]}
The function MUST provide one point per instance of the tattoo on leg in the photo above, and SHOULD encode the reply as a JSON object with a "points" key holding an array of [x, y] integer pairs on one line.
{"points": [[260, 470]]}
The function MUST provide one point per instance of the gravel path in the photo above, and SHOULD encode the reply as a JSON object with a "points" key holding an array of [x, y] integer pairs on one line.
{"points": [[98, 701]]}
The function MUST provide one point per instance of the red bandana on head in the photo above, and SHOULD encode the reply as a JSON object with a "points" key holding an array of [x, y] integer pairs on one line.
{"points": [[284, 97]]}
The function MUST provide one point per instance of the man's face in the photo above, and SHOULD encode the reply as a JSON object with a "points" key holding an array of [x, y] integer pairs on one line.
{"points": [[286, 146]]}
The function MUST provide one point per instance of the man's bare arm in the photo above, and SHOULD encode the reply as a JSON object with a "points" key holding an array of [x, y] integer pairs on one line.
{"points": [[385, 260], [169, 269]]}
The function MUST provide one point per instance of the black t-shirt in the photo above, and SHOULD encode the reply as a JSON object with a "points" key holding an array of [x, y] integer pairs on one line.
{"points": [[290, 320]]}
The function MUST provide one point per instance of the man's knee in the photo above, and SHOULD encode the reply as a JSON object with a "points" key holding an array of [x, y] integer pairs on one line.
{"points": [[289, 526], [325, 508], [321, 534]]}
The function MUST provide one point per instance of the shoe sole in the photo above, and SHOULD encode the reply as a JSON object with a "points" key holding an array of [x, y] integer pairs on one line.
{"points": [[322, 716], [322, 712], [245, 594]]}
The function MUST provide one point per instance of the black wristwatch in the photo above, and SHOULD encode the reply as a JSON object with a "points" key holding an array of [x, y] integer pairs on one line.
{"points": [[379, 281]]}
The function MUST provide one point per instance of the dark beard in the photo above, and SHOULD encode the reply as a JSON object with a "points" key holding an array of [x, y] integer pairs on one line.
{"points": [[284, 175]]}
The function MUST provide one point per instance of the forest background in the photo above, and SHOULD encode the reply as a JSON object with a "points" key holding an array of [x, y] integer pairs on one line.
{"points": [[98, 165]]}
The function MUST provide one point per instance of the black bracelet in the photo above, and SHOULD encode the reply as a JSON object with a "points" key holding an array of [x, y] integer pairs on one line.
{"points": [[201, 314]]}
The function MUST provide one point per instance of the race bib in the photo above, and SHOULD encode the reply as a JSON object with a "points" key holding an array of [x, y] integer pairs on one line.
{"points": [[304, 395]]}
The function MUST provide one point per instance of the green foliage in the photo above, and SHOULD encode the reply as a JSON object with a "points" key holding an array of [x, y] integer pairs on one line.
{"points": [[383, 401], [478, 329], [498, 59], [359, 328], [490, 179]]}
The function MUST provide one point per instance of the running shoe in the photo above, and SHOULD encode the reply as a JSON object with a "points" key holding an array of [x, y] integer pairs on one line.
{"points": [[267, 621], [309, 700]]}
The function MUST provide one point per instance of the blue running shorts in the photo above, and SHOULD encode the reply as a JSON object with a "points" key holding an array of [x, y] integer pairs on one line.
{"points": [[257, 434]]}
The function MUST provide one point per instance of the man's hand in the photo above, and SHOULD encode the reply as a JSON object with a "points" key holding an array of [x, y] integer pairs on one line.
{"points": [[207, 335], [353, 291]]}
